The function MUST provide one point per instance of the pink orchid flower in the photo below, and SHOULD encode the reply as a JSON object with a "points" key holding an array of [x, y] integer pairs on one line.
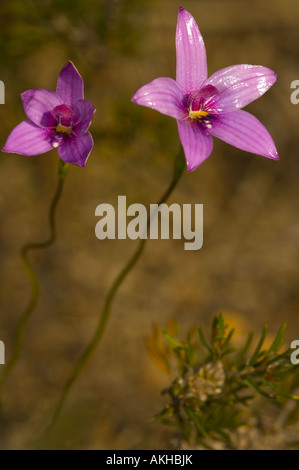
{"points": [[206, 107], [56, 120]]}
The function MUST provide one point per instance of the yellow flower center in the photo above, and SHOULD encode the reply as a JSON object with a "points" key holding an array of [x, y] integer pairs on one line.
{"points": [[197, 115], [63, 129]]}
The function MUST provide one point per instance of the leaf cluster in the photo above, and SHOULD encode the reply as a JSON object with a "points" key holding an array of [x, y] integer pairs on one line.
{"points": [[214, 381]]}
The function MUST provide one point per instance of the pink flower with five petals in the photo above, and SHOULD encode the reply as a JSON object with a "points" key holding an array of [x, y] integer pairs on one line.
{"points": [[56, 120], [206, 107]]}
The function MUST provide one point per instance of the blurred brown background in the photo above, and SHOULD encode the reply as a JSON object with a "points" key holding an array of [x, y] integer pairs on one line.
{"points": [[248, 266]]}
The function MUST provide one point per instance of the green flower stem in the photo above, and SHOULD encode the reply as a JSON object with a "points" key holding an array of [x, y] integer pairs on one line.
{"points": [[21, 327], [105, 313]]}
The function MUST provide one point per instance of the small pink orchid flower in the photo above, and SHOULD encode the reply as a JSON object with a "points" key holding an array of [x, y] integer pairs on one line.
{"points": [[206, 107], [56, 120]]}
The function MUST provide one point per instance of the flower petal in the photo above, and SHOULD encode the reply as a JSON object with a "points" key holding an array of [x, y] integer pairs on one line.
{"points": [[28, 139], [191, 60], [77, 150], [84, 111], [246, 132], [161, 94], [239, 85], [197, 145], [38, 104], [70, 85]]}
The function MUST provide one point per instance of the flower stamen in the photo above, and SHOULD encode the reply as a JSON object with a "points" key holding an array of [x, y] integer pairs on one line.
{"points": [[63, 129], [197, 115]]}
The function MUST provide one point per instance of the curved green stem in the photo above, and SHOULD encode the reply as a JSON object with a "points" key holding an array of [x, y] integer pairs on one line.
{"points": [[105, 313], [21, 327]]}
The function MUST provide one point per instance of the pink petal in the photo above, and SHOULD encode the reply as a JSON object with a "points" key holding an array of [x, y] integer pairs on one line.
{"points": [[239, 85], [28, 139], [70, 85], [163, 95], [85, 111], [38, 104], [77, 150], [191, 66], [246, 132], [197, 145]]}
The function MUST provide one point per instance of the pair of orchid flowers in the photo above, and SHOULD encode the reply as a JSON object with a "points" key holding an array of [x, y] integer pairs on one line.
{"points": [[203, 107]]}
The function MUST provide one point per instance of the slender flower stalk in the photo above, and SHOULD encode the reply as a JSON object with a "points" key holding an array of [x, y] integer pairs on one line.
{"points": [[179, 166], [59, 120], [32, 276]]}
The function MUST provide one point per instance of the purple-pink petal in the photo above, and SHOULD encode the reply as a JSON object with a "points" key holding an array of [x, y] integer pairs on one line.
{"points": [[239, 85], [84, 111], [28, 139], [191, 61], [70, 85], [163, 95], [38, 104], [197, 145], [246, 132], [76, 150]]}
